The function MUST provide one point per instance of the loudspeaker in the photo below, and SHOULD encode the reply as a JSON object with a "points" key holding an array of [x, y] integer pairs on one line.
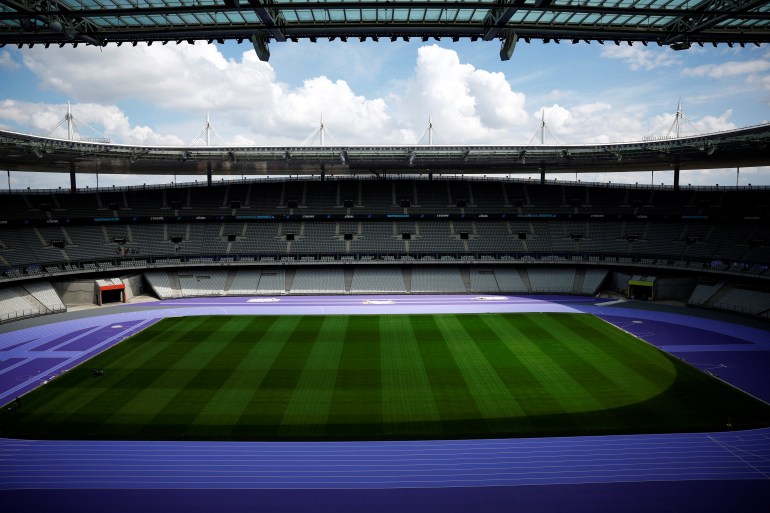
{"points": [[508, 45], [348, 203], [260, 46], [289, 236], [462, 202], [406, 236], [464, 235], [348, 236]]}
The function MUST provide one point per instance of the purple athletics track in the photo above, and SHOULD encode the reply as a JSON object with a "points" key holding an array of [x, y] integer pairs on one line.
{"points": [[727, 471]]}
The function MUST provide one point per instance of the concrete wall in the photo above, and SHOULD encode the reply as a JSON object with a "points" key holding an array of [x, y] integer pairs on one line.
{"points": [[678, 288], [77, 292], [617, 281], [134, 285]]}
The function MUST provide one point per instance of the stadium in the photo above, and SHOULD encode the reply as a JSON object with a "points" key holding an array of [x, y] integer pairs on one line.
{"points": [[345, 328]]}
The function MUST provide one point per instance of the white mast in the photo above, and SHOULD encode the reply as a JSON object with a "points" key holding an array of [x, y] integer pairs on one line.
{"points": [[428, 131], [70, 122]]}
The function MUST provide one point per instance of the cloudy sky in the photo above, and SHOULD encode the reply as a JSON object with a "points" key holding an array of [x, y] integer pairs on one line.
{"points": [[384, 93]]}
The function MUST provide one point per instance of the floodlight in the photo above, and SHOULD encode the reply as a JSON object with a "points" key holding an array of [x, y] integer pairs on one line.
{"points": [[55, 25]]}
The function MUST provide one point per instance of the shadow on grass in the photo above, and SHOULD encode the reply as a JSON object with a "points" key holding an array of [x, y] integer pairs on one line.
{"points": [[695, 402]]}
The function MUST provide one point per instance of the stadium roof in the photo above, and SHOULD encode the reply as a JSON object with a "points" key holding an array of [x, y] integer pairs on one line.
{"points": [[678, 23], [736, 148]]}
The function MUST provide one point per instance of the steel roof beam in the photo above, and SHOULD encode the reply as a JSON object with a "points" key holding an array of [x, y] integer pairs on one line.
{"points": [[271, 17], [499, 16], [371, 5], [706, 15]]}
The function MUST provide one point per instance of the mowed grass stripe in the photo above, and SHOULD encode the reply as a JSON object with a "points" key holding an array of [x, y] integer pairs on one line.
{"points": [[267, 405], [357, 403], [613, 382], [604, 366], [492, 397], [534, 398], [224, 408], [408, 406], [454, 401], [205, 377], [88, 400], [546, 364], [607, 352], [309, 405], [168, 405]]}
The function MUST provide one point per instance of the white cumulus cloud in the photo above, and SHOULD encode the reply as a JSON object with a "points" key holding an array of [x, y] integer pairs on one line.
{"points": [[728, 69], [92, 120], [7, 63], [466, 104], [640, 57]]}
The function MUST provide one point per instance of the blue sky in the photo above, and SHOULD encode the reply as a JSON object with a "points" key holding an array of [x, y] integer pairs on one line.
{"points": [[384, 93]]}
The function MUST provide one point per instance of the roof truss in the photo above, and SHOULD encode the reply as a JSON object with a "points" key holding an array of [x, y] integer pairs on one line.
{"points": [[665, 22]]}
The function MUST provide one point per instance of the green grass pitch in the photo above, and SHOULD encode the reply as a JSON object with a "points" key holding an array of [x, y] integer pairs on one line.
{"points": [[380, 377]]}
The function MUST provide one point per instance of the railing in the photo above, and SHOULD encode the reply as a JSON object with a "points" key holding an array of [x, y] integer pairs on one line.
{"points": [[111, 266], [501, 177], [28, 313]]}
